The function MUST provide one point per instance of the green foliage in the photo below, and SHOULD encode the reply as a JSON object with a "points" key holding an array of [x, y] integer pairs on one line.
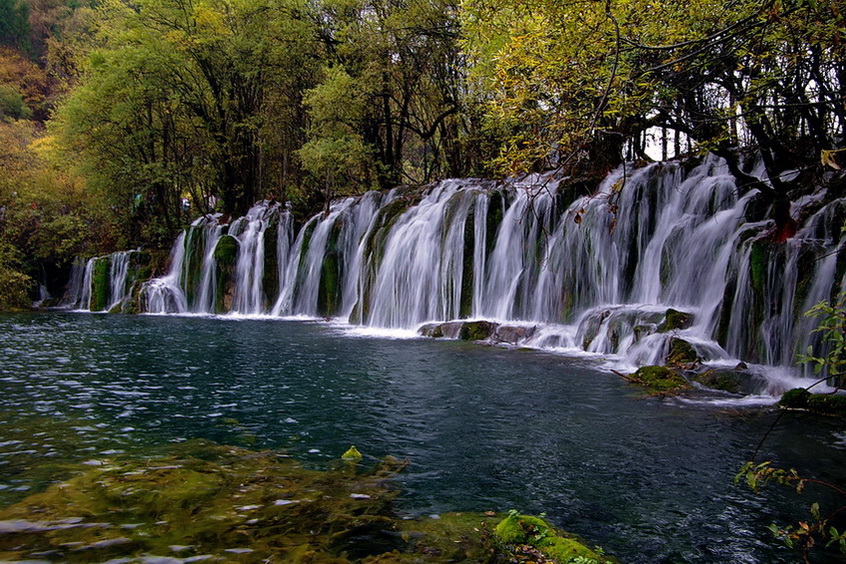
{"points": [[336, 152], [14, 284], [12, 106], [832, 328], [46, 218], [568, 83], [14, 23], [805, 534]]}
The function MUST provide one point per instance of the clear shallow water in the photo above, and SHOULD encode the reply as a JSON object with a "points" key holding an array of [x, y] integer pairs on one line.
{"points": [[484, 427]]}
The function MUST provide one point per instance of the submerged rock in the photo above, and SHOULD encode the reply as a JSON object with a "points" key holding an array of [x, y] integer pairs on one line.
{"points": [[224, 503]]}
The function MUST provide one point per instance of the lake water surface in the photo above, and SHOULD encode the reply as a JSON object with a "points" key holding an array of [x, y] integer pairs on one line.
{"points": [[484, 428]]}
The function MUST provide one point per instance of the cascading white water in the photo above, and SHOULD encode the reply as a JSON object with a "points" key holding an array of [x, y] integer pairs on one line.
{"points": [[249, 296], [597, 272], [164, 295], [119, 282]]}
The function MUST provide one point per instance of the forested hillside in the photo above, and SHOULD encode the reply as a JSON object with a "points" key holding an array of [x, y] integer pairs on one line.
{"points": [[120, 121]]}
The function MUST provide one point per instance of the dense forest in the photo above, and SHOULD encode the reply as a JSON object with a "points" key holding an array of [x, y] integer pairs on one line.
{"points": [[120, 121]]}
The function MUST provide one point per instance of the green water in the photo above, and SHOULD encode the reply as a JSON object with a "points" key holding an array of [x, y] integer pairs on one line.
{"points": [[484, 428]]}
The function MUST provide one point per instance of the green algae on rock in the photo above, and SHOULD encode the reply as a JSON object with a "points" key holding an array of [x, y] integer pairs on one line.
{"points": [[533, 537], [658, 379], [822, 404]]}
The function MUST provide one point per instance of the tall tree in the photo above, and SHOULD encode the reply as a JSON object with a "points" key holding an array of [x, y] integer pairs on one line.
{"points": [[569, 82]]}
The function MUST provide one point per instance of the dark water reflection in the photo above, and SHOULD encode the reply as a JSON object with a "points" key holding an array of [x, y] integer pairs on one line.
{"points": [[484, 428]]}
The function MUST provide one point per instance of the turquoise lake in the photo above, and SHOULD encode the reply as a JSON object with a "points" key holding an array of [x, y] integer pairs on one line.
{"points": [[484, 428]]}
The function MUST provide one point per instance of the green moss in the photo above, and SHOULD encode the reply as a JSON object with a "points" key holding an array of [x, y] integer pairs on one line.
{"points": [[521, 529], [723, 380], [797, 398], [225, 503], [270, 281], [828, 404], [476, 330], [516, 532], [660, 379], [465, 307], [226, 257], [100, 284], [226, 250], [195, 244], [758, 263], [675, 320], [681, 353], [496, 211], [352, 455], [565, 550]]}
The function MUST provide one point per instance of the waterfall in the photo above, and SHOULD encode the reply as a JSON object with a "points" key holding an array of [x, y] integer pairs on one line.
{"points": [[119, 281], [601, 271], [103, 284], [165, 295]]}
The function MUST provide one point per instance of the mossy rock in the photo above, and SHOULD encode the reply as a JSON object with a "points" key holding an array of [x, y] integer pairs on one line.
{"points": [[100, 284], [681, 353], [797, 398], [517, 532], [433, 330], [822, 404], [828, 404], [476, 330], [226, 257], [226, 250], [675, 320], [724, 380], [520, 529], [660, 379]]}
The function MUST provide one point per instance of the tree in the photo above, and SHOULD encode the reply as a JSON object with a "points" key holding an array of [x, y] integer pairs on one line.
{"points": [[14, 24], [569, 82], [404, 58], [171, 103]]}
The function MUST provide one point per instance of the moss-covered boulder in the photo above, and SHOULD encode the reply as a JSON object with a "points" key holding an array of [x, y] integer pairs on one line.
{"points": [[462, 330], [797, 398], [659, 379], [681, 354], [823, 404], [734, 381], [828, 404], [476, 330], [100, 284], [519, 534], [675, 320], [226, 259]]}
